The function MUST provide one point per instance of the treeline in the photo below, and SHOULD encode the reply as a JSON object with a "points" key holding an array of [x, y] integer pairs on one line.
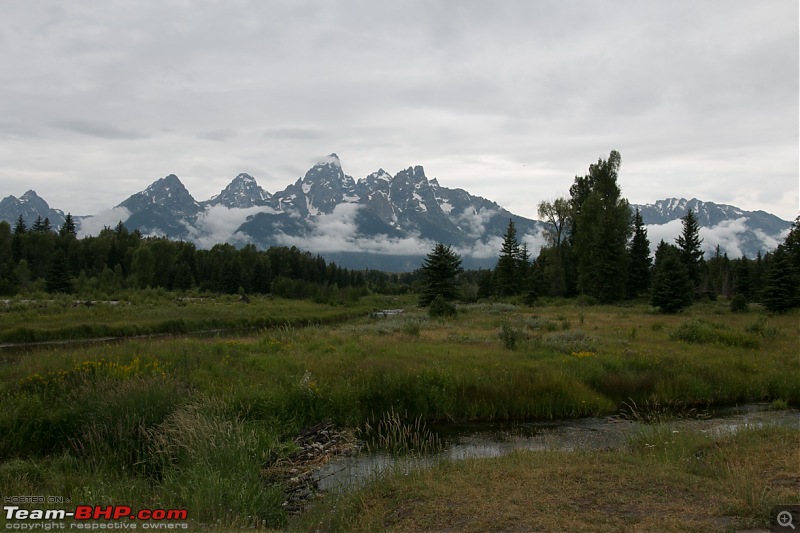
{"points": [[598, 249], [41, 258]]}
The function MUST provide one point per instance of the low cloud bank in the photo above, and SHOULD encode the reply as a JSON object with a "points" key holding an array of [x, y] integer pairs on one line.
{"points": [[220, 224], [338, 232], [93, 225], [728, 235]]}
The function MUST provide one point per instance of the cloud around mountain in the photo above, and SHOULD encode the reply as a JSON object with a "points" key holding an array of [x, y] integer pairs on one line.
{"points": [[328, 212]]}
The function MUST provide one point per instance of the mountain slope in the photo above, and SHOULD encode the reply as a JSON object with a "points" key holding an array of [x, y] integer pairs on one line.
{"points": [[379, 221], [737, 232], [30, 205], [241, 193], [164, 208]]}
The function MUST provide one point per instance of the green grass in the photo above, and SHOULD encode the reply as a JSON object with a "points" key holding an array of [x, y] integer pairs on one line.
{"points": [[64, 319], [684, 482], [192, 422]]}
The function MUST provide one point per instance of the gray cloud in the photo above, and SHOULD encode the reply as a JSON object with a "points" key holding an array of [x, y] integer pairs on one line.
{"points": [[220, 224], [338, 232], [96, 129], [217, 135], [508, 100], [108, 218], [292, 133]]}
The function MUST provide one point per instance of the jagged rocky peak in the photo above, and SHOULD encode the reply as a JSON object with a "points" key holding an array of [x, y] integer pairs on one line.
{"points": [[327, 172], [413, 176], [323, 187], [34, 201], [378, 181], [242, 192], [168, 192], [379, 175], [30, 205], [168, 184], [30, 195]]}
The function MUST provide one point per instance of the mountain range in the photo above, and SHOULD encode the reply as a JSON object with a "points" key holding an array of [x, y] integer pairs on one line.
{"points": [[380, 221]]}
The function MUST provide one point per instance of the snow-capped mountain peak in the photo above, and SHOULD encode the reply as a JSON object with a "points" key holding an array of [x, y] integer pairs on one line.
{"points": [[326, 211], [30, 205], [242, 192]]}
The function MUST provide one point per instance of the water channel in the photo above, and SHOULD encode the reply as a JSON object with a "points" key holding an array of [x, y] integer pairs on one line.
{"points": [[477, 440]]}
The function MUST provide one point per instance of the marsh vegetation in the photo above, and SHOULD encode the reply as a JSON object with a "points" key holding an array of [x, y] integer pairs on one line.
{"points": [[194, 422]]}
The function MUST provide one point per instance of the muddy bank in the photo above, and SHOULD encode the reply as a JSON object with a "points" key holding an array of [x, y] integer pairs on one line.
{"points": [[298, 473]]}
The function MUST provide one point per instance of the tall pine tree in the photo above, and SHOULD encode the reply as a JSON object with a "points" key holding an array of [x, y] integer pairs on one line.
{"points": [[68, 227], [507, 272], [640, 260], [602, 227], [671, 290], [782, 279], [440, 269], [689, 247]]}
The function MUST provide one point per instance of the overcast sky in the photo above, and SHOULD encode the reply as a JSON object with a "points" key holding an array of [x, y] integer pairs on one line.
{"points": [[506, 99]]}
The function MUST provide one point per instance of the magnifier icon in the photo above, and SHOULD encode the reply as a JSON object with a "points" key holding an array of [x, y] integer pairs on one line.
{"points": [[785, 519]]}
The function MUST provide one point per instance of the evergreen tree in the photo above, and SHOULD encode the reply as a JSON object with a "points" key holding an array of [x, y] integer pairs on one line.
{"points": [[17, 240], [261, 277], [485, 284], [38, 225], [58, 276], [689, 246], [640, 260], [7, 279], [440, 269], [506, 272], [757, 276], [782, 279], [143, 266], [68, 228], [741, 281], [20, 227], [183, 277], [781, 284], [524, 264], [671, 290], [602, 227], [231, 277]]}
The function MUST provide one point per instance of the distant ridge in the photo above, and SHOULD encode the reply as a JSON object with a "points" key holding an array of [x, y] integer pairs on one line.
{"points": [[379, 220]]}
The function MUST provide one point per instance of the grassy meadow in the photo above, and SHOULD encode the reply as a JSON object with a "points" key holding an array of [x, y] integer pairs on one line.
{"points": [[191, 422]]}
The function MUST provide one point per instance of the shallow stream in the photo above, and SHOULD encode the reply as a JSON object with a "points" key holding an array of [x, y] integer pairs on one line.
{"points": [[462, 441]]}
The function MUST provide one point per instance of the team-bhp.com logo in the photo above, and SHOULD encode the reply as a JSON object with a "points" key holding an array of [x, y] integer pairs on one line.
{"points": [[89, 517]]}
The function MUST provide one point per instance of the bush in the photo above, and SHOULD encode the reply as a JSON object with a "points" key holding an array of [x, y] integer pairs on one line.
{"points": [[739, 304], [698, 331], [762, 329], [509, 336], [441, 308]]}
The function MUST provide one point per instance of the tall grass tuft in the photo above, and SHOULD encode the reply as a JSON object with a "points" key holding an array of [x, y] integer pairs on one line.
{"points": [[656, 412], [212, 463], [399, 436]]}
